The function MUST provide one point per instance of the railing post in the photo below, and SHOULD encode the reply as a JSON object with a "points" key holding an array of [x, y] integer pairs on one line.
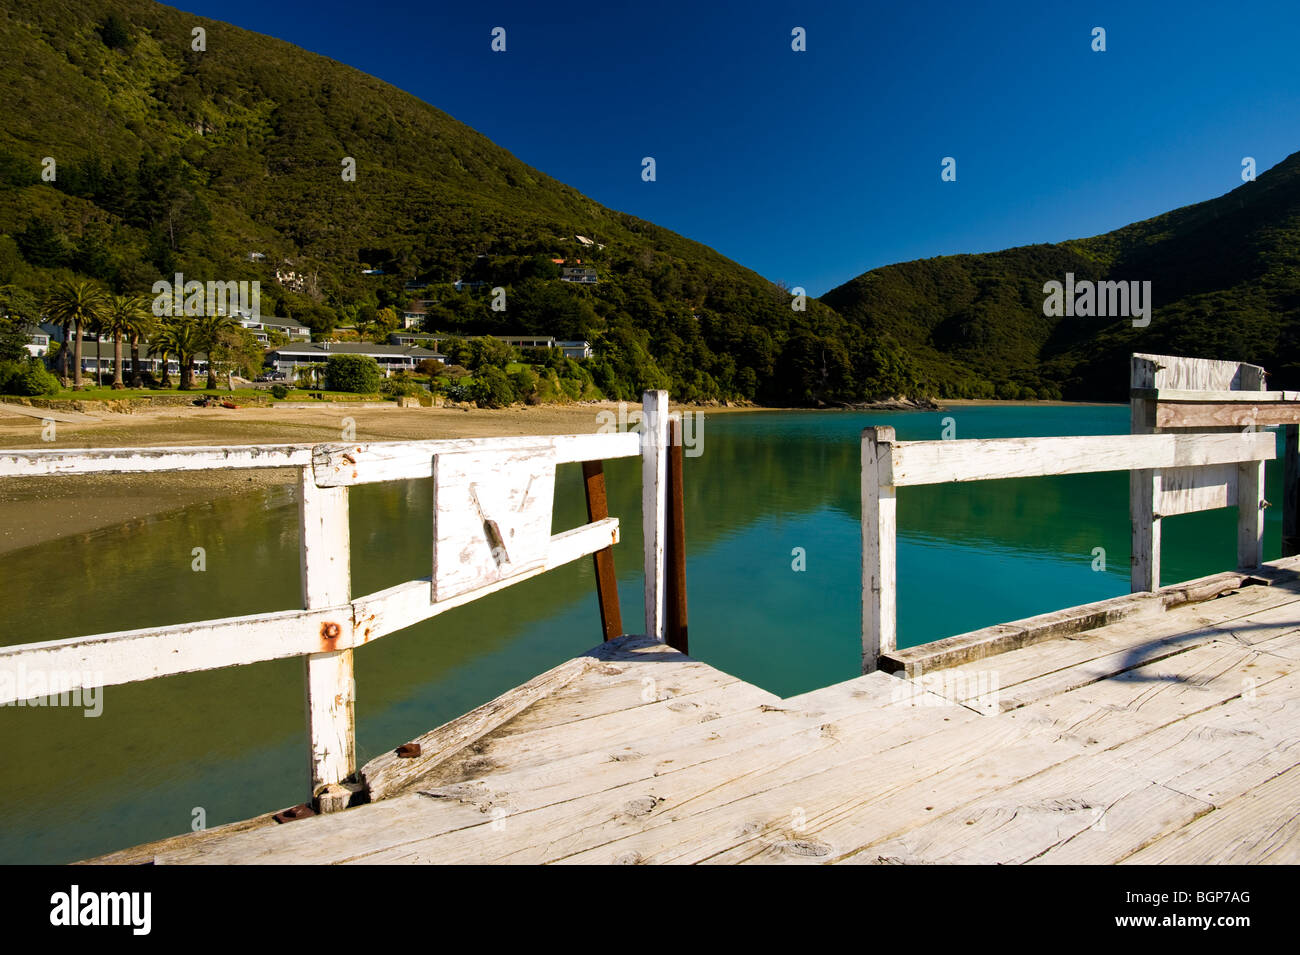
{"points": [[1291, 493], [654, 506], [1250, 514], [676, 627], [611, 616], [331, 691], [1143, 487], [879, 565]]}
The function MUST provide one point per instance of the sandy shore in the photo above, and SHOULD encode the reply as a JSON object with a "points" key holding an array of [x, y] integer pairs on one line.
{"points": [[33, 510]]}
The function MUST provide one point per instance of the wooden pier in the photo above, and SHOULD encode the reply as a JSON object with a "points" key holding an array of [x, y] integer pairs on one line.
{"points": [[1172, 735], [1159, 726]]}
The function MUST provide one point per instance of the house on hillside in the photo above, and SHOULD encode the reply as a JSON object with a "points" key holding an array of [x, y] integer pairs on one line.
{"points": [[415, 314], [262, 327], [38, 341], [391, 358], [575, 349], [422, 339], [571, 349], [583, 276]]}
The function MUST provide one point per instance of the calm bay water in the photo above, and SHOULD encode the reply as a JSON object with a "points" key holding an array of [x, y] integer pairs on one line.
{"points": [[232, 742]]}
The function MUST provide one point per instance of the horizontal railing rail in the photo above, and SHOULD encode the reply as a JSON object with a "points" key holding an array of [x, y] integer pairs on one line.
{"points": [[888, 464], [332, 622]]}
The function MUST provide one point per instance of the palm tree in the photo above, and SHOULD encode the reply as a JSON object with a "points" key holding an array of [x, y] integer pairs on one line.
{"points": [[75, 303], [183, 338], [123, 317], [138, 328], [158, 348], [211, 328]]}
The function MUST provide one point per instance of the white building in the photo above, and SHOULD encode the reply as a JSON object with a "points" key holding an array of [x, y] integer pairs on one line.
{"points": [[391, 358]]}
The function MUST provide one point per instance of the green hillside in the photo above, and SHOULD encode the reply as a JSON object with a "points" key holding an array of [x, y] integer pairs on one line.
{"points": [[1225, 282], [170, 160]]}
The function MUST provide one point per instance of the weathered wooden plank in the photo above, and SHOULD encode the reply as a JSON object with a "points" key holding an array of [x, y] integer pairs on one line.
{"points": [[338, 465], [654, 508], [1059, 665], [1207, 396], [981, 459], [1235, 414], [1025, 822], [1260, 826], [1250, 515], [491, 516], [879, 547], [1145, 484], [406, 604], [135, 460], [1188, 490], [611, 614], [1195, 374], [388, 773], [110, 659], [326, 580], [1001, 638]]}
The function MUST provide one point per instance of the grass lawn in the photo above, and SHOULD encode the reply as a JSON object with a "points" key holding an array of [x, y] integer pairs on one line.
{"points": [[104, 393]]}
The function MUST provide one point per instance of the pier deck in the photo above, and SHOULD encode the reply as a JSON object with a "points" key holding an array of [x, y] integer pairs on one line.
{"points": [[1171, 735]]}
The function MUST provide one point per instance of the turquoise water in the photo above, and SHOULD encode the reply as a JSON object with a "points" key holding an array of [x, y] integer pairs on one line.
{"points": [[231, 743]]}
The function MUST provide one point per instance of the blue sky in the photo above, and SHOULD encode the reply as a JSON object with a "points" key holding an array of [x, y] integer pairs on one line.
{"points": [[813, 167]]}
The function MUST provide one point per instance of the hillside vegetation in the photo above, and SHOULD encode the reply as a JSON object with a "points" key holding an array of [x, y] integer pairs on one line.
{"points": [[170, 160], [1225, 281]]}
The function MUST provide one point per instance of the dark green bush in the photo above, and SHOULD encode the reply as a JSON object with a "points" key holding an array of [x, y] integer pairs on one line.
{"points": [[279, 392], [359, 373], [26, 378], [492, 388]]}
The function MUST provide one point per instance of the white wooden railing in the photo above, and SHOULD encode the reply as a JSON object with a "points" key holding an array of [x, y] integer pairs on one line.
{"points": [[888, 464], [492, 499]]}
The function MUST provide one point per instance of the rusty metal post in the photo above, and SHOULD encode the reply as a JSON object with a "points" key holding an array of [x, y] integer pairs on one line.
{"points": [[611, 618]]}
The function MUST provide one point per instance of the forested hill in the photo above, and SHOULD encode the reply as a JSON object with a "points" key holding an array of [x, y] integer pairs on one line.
{"points": [[171, 160], [168, 159], [1225, 281]]}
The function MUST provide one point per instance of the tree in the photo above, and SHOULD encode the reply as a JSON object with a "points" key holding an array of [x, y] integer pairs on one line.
{"points": [[139, 326], [357, 373], [182, 338], [211, 328], [75, 304], [492, 388], [236, 349], [17, 310], [123, 314], [158, 348], [27, 377], [487, 351], [114, 32]]}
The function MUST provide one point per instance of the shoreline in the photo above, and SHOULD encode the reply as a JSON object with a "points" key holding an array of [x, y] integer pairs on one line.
{"points": [[36, 510]]}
